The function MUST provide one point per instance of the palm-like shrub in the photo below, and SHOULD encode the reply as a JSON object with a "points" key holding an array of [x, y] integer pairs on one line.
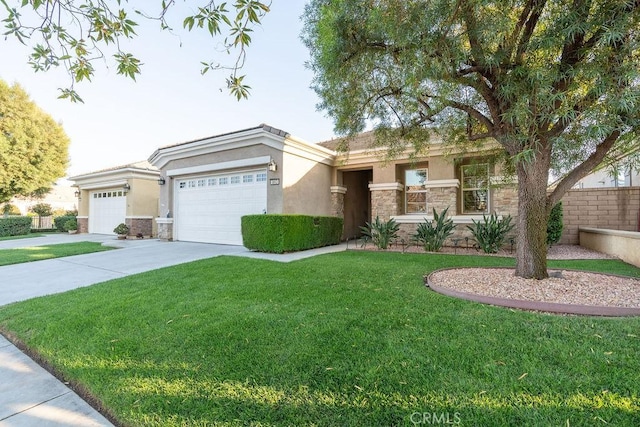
{"points": [[381, 233], [432, 234], [491, 232]]}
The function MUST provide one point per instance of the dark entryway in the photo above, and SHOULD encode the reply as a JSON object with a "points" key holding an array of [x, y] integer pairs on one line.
{"points": [[357, 201]]}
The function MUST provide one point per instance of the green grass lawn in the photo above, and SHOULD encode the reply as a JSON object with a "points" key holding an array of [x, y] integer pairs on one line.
{"points": [[38, 253], [350, 339]]}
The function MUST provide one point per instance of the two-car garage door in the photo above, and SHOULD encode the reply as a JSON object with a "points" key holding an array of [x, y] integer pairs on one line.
{"points": [[208, 208]]}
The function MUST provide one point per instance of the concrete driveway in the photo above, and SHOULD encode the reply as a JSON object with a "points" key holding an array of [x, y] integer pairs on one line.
{"points": [[29, 395], [23, 281]]}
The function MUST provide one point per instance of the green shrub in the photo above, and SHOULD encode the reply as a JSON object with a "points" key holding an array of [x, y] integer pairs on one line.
{"points": [[15, 226], [288, 233], [121, 229], [554, 225], [71, 225], [432, 234], [60, 221], [491, 232], [381, 233]]}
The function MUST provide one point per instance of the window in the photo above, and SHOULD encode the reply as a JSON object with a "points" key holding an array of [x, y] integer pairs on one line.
{"points": [[247, 179], [261, 177], [235, 179], [192, 184], [415, 190], [183, 184], [211, 182], [201, 183], [223, 181], [475, 188]]}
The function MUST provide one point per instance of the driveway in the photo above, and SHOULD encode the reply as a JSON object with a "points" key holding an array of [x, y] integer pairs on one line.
{"points": [[23, 281]]}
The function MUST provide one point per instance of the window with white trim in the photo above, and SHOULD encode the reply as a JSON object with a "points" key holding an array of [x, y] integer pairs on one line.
{"points": [[261, 177], [235, 179], [211, 182], [247, 179], [223, 181], [475, 188], [415, 190]]}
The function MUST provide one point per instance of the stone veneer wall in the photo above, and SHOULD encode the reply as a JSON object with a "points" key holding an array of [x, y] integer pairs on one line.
{"points": [[142, 226], [83, 225], [386, 203], [165, 230], [608, 208], [442, 198]]}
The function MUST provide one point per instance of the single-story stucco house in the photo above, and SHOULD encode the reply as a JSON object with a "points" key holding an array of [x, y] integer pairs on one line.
{"points": [[123, 194], [209, 184]]}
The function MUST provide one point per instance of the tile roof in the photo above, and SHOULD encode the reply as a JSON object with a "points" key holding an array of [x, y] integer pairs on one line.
{"points": [[263, 126]]}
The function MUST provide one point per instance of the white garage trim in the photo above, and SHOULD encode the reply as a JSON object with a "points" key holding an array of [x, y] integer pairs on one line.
{"points": [[233, 164], [209, 208], [101, 185]]}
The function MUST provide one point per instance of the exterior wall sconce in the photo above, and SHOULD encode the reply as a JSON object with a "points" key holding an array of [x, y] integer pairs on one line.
{"points": [[77, 194], [126, 187], [161, 181], [272, 166]]}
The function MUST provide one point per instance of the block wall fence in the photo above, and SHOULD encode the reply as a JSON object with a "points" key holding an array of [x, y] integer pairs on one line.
{"points": [[610, 208]]}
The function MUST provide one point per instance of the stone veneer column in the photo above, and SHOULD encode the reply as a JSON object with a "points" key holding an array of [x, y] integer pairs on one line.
{"points": [[83, 224], [337, 200], [386, 200], [165, 228]]}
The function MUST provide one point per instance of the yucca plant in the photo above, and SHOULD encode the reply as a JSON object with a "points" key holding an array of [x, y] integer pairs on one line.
{"points": [[432, 234], [381, 233], [491, 232]]}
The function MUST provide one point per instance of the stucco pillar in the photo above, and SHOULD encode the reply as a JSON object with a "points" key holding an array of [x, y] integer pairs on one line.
{"points": [[386, 200]]}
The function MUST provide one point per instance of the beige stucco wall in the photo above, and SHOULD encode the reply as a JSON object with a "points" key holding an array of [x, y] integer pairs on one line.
{"points": [[305, 186], [622, 244]]}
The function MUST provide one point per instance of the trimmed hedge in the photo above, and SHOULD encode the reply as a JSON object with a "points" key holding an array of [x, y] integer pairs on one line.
{"points": [[289, 233], [15, 226], [61, 220]]}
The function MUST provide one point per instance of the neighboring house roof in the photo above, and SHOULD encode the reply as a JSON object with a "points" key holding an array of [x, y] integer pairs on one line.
{"points": [[142, 166]]}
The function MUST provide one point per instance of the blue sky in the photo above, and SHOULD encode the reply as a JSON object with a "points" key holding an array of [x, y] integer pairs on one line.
{"points": [[122, 121]]}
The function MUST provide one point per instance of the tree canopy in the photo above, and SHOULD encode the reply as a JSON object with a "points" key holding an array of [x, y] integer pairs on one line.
{"points": [[33, 147], [556, 84], [78, 33]]}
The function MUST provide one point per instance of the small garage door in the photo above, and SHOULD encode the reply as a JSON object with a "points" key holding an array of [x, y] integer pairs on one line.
{"points": [[107, 209], [209, 208]]}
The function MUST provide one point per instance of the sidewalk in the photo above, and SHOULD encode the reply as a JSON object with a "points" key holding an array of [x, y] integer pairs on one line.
{"points": [[29, 395]]}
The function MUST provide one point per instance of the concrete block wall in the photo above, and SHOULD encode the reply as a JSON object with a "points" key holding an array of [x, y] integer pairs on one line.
{"points": [[608, 208]]}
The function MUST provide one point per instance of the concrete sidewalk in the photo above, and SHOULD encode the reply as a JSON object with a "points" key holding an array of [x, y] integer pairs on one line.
{"points": [[29, 395]]}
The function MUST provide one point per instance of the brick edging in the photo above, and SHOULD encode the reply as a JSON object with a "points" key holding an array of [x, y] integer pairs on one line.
{"points": [[551, 307]]}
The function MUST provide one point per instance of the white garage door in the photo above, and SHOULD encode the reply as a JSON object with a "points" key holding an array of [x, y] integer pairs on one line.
{"points": [[107, 209], [209, 208]]}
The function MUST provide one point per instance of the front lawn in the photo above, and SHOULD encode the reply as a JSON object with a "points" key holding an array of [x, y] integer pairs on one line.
{"points": [[342, 339], [38, 253]]}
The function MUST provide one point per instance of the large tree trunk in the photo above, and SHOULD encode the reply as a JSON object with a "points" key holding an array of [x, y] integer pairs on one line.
{"points": [[531, 252]]}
